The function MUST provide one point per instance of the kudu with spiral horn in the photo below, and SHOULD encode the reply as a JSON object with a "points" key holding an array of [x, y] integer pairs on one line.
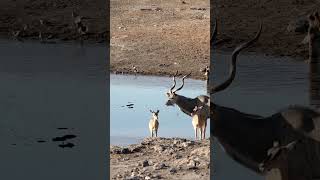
{"points": [[247, 138], [186, 104]]}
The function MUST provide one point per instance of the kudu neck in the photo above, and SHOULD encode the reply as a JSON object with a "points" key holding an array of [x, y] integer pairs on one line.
{"points": [[185, 104]]}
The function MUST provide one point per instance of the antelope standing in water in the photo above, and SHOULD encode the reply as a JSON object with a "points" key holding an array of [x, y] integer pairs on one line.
{"points": [[199, 122], [154, 123], [247, 137], [186, 104]]}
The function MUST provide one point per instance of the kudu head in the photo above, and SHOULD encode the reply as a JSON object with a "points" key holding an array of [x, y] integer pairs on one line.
{"points": [[314, 37], [196, 110], [235, 53], [171, 94], [155, 114]]}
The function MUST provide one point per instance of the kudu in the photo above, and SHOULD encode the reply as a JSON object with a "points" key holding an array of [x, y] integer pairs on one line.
{"points": [[247, 138], [186, 104]]}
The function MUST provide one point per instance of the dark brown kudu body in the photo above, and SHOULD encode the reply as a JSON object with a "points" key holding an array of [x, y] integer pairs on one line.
{"points": [[247, 138]]}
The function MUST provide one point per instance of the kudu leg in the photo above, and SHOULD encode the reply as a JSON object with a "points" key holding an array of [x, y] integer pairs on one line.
{"points": [[195, 133], [156, 133], [284, 172]]}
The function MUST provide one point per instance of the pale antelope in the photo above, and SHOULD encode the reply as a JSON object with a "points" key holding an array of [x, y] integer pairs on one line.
{"points": [[154, 123], [199, 122]]}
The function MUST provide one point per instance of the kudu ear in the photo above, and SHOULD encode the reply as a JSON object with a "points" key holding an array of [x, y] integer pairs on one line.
{"points": [[195, 108], [157, 112]]}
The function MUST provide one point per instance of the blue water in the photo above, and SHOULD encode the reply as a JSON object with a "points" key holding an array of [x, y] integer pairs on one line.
{"points": [[148, 92]]}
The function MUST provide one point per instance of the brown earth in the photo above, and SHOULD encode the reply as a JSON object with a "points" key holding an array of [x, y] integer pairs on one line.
{"points": [[57, 17], [238, 21], [161, 158], [160, 37]]}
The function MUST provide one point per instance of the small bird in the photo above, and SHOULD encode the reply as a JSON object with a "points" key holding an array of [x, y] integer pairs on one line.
{"points": [[41, 21], [135, 70], [16, 35], [76, 18], [40, 37], [25, 27], [207, 72], [82, 29]]}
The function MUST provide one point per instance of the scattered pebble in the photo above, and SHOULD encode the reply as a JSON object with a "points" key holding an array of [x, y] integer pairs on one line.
{"points": [[145, 163], [173, 170]]}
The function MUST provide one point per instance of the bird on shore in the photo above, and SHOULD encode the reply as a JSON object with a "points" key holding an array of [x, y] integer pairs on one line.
{"points": [[40, 37], [207, 72], [82, 29], [76, 17], [25, 27], [41, 21], [135, 70], [16, 35]]}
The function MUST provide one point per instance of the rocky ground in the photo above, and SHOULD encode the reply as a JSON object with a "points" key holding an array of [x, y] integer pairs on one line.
{"points": [[283, 25], [161, 158], [160, 37]]}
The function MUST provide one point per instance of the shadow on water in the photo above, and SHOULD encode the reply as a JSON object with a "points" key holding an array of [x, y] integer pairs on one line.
{"points": [[263, 86], [50, 91]]}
